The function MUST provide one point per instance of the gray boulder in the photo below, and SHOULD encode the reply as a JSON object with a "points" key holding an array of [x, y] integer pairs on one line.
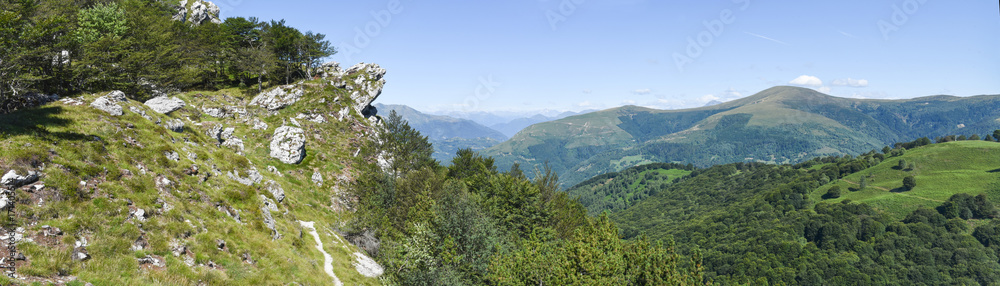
{"points": [[317, 178], [288, 144], [215, 112], [330, 69], [269, 222], [253, 177], [175, 125], [278, 98], [109, 103], [275, 189], [165, 104], [368, 86]]}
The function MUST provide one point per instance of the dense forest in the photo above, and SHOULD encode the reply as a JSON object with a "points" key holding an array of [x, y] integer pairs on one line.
{"points": [[470, 224], [754, 223], [67, 47]]}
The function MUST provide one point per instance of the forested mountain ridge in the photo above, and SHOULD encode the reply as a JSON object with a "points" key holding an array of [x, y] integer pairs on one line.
{"points": [[778, 125]]}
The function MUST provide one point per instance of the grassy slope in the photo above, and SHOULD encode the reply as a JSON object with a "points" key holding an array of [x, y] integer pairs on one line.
{"points": [[941, 170], [79, 143]]}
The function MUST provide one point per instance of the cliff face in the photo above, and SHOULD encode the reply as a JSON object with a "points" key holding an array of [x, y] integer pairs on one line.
{"points": [[213, 187]]}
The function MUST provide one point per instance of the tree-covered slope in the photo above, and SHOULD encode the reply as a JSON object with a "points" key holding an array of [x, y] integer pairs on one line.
{"points": [[617, 191], [447, 134], [777, 125], [756, 223]]}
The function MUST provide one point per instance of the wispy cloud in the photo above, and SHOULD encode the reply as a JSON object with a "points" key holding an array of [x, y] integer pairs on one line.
{"points": [[643, 91], [851, 82], [846, 34], [766, 38]]}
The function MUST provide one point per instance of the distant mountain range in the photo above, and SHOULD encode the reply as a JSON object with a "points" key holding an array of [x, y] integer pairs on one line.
{"points": [[447, 134], [511, 122], [778, 125]]}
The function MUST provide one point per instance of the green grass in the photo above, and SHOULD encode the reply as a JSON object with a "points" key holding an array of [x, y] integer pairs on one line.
{"points": [[79, 143], [941, 170]]}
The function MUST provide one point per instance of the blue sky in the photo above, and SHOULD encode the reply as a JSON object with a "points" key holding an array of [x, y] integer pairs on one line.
{"points": [[594, 54]]}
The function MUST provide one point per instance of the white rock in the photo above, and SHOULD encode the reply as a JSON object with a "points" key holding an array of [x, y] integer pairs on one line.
{"points": [[268, 203], [215, 112], [275, 189], [234, 143], [109, 103], [317, 118], [165, 105], [259, 124], [317, 178], [288, 145], [369, 85], [269, 222], [12, 180], [278, 98], [253, 177], [175, 125], [173, 156], [367, 266]]}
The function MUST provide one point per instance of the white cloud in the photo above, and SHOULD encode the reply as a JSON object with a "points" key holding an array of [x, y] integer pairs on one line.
{"points": [[586, 103], [708, 97], [851, 82], [628, 102], [807, 80], [644, 91], [824, 89], [587, 91]]}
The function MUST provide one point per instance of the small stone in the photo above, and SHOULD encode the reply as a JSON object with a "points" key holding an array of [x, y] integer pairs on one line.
{"points": [[317, 178], [175, 125], [275, 189], [172, 156]]}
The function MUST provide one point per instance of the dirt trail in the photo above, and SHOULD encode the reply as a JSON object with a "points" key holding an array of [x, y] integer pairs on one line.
{"points": [[901, 194], [327, 259]]}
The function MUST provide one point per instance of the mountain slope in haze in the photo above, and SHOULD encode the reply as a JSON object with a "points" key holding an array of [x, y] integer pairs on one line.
{"points": [[512, 127], [778, 125], [447, 134]]}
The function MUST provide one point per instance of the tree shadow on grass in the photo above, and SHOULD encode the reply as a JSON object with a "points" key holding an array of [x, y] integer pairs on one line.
{"points": [[994, 171], [35, 122]]}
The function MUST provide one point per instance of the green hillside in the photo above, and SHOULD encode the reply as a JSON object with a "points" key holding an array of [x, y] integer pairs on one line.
{"points": [[941, 170], [778, 125], [764, 223], [155, 205]]}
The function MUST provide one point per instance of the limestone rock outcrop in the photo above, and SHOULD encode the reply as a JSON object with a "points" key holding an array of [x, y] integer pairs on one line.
{"points": [[109, 103], [288, 144], [198, 12], [278, 98], [165, 104], [367, 87]]}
